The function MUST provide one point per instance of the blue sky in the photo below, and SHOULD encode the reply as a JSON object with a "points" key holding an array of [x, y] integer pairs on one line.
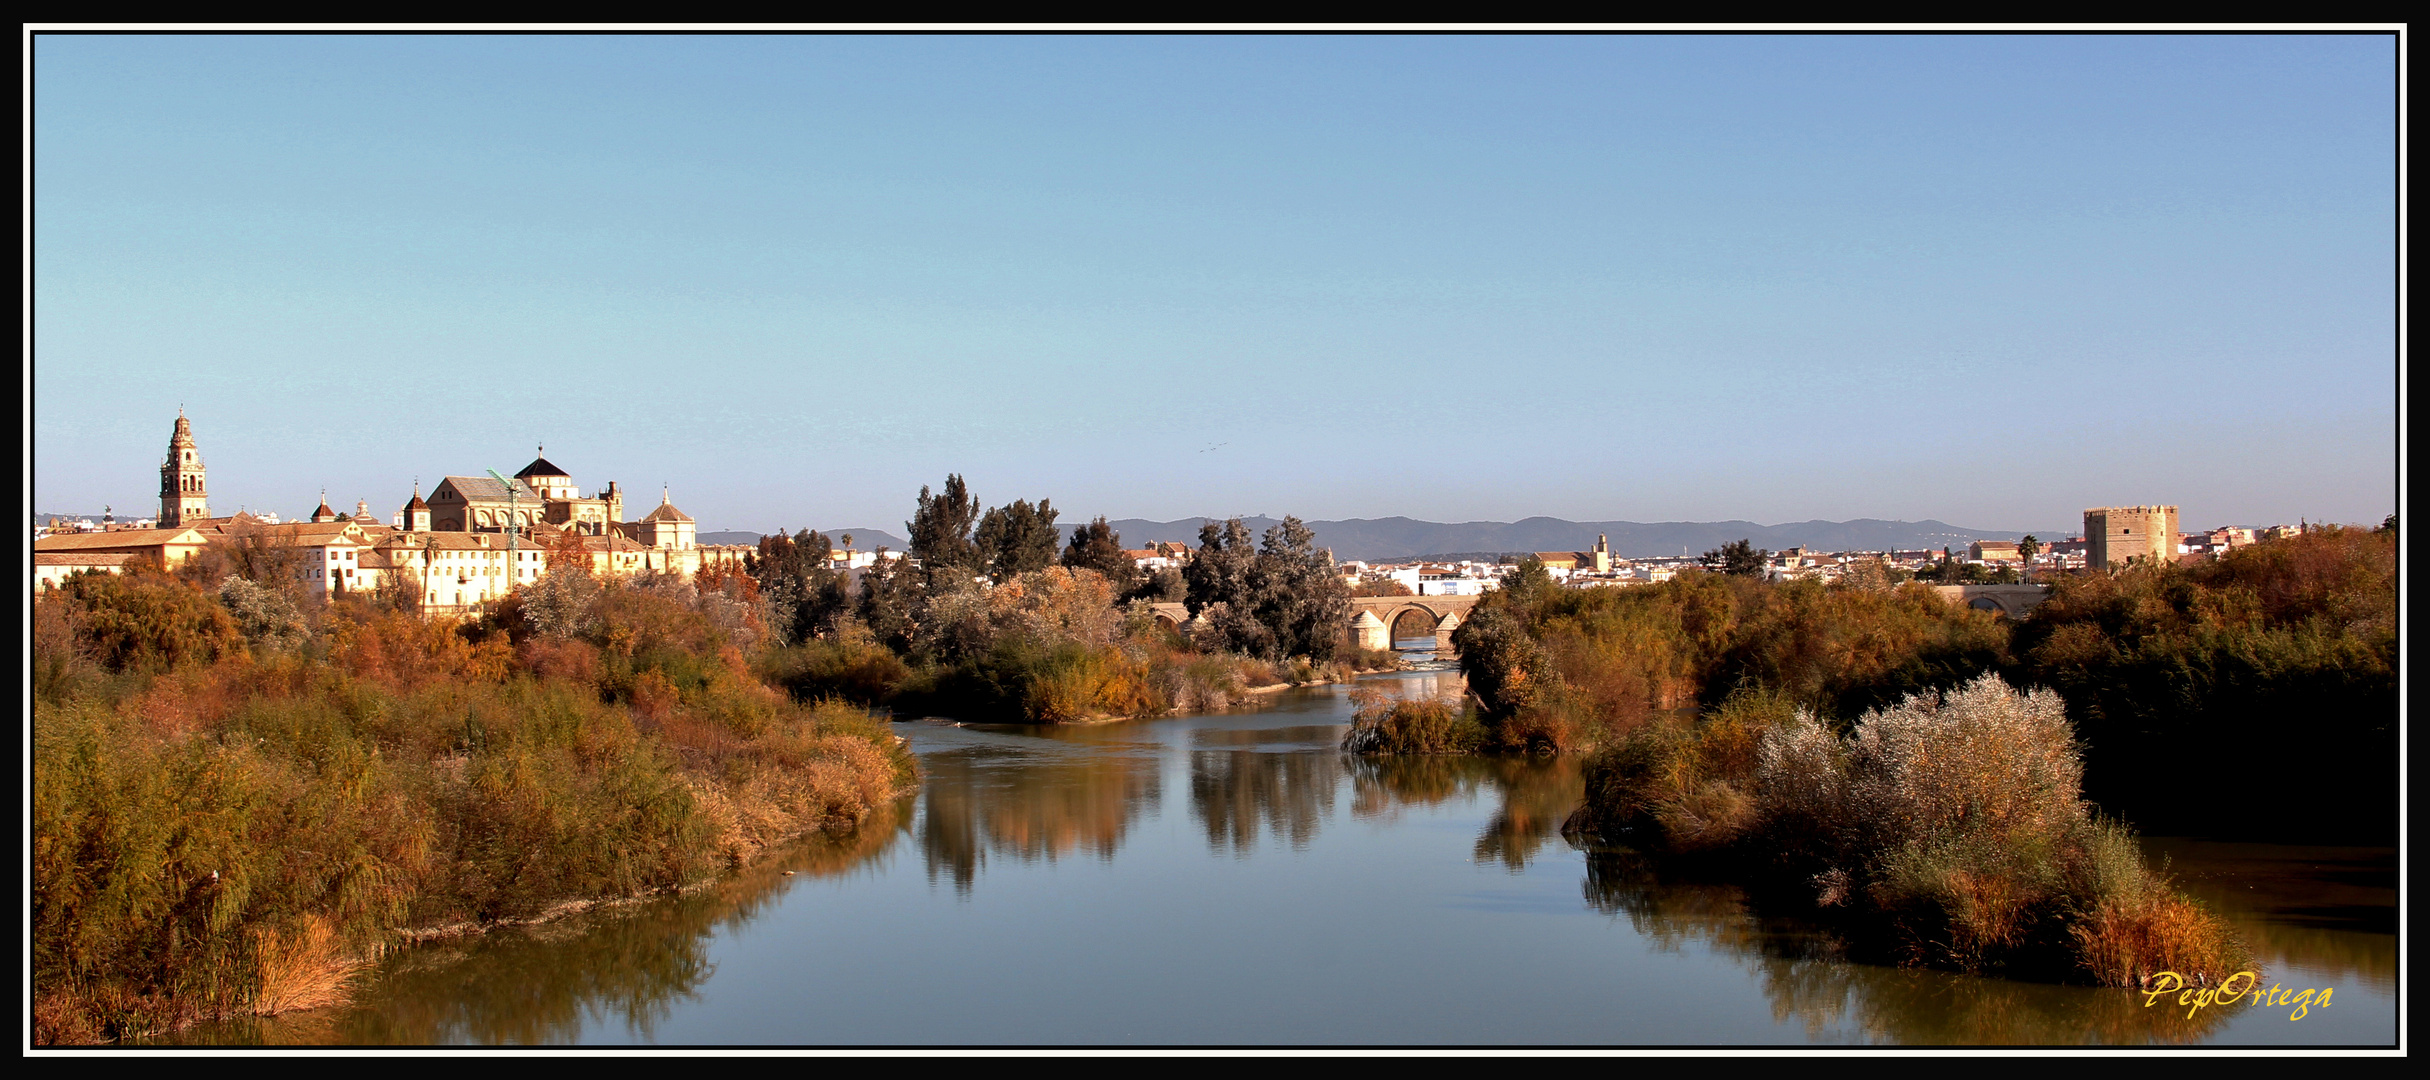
{"points": [[1991, 280]]}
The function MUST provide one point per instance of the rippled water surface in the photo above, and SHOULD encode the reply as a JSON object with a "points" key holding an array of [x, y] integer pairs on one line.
{"points": [[1233, 879]]}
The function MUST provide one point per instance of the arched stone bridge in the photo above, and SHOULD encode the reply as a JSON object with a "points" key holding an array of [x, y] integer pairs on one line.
{"points": [[2012, 601], [1376, 621]]}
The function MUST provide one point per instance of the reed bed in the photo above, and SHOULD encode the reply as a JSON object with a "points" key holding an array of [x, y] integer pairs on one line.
{"points": [[1948, 830], [239, 828]]}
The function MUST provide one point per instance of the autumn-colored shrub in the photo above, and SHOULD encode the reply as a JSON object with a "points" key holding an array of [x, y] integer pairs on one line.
{"points": [[219, 832], [1383, 724], [2188, 676], [1949, 828]]}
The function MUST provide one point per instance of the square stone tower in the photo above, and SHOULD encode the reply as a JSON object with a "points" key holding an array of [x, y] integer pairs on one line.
{"points": [[182, 498], [2117, 535]]}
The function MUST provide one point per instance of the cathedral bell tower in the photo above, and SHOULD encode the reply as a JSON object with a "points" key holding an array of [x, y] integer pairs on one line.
{"points": [[182, 500]]}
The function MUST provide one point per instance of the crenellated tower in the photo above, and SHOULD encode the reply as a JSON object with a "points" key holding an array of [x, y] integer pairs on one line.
{"points": [[182, 498]]}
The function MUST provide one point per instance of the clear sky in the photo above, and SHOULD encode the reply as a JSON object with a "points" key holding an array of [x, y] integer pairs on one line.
{"points": [[1992, 280]]}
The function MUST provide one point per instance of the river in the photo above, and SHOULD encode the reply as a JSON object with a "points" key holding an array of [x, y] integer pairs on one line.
{"points": [[1235, 880]]}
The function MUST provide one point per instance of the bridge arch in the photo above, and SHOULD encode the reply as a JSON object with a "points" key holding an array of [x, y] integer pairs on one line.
{"points": [[2006, 601], [1411, 621]]}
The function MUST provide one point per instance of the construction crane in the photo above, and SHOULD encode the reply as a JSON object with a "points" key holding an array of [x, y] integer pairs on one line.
{"points": [[514, 494]]}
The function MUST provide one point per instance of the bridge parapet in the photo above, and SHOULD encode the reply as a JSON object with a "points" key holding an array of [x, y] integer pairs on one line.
{"points": [[2013, 601], [1371, 617]]}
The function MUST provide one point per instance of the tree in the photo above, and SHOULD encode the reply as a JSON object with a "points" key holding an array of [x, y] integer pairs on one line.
{"points": [[1165, 586], [886, 602], [1279, 599], [263, 556], [568, 551], [1014, 540], [1096, 546], [265, 613], [1528, 584], [802, 592], [1380, 586], [145, 621], [2026, 550], [1219, 572], [563, 603], [940, 529], [1504, 666], [1738, 558], [1297, 594], [400, 586]]}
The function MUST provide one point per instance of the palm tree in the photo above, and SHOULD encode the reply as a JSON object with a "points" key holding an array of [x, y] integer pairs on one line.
{"points": [[2027, 547]]}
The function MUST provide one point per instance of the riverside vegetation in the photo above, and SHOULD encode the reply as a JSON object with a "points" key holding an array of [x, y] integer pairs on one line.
{"points": [[1859, 753], [993, 624], [240, 800]]}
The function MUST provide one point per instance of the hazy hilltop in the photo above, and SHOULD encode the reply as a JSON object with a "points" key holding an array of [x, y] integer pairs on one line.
{"points": [[862, 539], [1371, 539]]}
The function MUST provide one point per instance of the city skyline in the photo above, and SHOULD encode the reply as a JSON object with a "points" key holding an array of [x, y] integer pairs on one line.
{"points": [[1987, 280]]}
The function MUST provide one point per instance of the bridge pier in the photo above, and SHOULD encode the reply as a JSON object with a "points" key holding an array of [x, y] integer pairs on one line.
{"points": [[1442, 634], [1370, 633]]}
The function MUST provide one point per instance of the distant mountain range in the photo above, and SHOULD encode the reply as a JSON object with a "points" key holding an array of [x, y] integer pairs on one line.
{"points": [[862, 539], [1377, 539]]}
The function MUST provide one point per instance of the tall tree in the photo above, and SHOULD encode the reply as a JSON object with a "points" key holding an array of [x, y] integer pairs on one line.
{"points": [[1016, 539], [1096, 546], [2027, 549], [1279, 599], [887, 600], [803, 592], [1219, 572], [940, 528], [1298, 595], [1739, 558]]}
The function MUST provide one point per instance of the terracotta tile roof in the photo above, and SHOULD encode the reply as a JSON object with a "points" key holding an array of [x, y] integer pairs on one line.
{"points": [[667, 512], [124, 538], [82, 558], [482, 487]]}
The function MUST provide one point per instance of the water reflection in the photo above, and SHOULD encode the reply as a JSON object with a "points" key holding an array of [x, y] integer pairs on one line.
{"points": [[631, 966], [1234, 792], [2328, 913], [1028, 806], [1803, 972], [1533, 796], [1274, 782]]}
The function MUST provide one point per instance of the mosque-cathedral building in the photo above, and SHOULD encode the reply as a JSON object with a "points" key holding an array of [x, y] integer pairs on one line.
{"points": [[472, 541]]}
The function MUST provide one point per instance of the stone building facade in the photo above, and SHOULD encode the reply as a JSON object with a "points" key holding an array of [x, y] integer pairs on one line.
{"points": [[470, 543], [2117, 535]]}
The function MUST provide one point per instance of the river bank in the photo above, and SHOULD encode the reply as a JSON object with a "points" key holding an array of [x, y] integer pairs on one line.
{"points": [[1176, 880], [245, 834]]}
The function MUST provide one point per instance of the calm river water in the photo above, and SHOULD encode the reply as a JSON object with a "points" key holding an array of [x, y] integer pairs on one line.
{"points": [[1234, 879]]}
